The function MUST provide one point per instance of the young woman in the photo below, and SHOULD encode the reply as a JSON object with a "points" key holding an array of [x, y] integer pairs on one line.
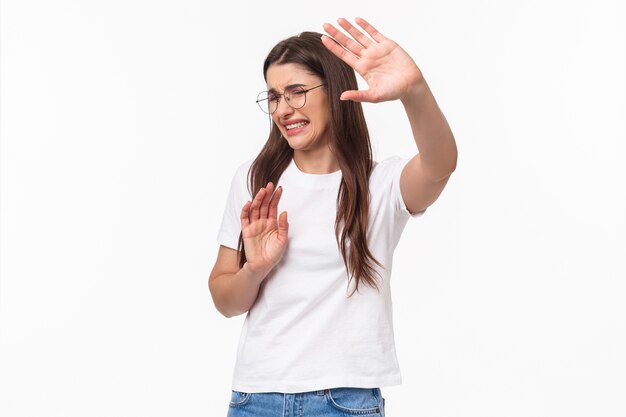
{"points": [[314, 280]]}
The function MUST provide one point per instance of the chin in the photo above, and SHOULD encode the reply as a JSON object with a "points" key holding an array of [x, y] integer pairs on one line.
{"points": [[298, 143]]}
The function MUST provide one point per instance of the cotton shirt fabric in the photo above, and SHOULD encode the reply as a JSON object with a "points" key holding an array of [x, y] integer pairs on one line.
{"points": [[303, 333]]}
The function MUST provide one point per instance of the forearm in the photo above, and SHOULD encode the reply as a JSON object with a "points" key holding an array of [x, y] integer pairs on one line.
{"points": [[431, 132], [234, 294]]}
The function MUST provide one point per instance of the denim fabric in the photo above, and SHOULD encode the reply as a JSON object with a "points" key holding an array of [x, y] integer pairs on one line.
{"points": [[331, 402]]}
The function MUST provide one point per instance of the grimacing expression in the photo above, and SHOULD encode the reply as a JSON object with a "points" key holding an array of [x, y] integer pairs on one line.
{"points": [[306, 128]]}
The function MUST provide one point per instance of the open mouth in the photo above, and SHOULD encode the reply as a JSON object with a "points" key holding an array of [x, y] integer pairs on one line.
{"points": [[295, 126]]}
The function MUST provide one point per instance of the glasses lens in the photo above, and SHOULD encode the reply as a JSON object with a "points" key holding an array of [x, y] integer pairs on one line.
{"points": [[267, 102], [297, 97]]}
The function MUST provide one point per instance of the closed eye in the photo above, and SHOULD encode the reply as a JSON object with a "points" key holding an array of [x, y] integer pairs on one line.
{"points": [[273, 98], [297, 92]]}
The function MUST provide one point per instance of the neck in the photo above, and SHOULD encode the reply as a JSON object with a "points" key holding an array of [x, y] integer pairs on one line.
{"points": [[318, 161]]}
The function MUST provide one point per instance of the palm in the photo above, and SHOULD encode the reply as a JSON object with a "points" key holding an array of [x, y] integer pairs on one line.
{"points": [[263, 244], [264, 236], [386, 68]]}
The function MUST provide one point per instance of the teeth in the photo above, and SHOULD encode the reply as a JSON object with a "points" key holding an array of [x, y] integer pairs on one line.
{"points": [[293, 126]]}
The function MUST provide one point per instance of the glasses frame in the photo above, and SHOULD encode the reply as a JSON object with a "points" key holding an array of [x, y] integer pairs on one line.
{"points": [[287, 96]]}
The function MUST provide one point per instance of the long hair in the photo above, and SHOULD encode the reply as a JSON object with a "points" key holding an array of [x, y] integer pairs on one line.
{"points": [[349, 142]]}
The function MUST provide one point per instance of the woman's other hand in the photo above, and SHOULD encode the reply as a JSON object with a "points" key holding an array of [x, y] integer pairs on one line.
{"points": [[264, 235]]}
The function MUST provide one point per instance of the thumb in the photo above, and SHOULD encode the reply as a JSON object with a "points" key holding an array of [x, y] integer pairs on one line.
{"points": [[355, 95], [283, 226]]}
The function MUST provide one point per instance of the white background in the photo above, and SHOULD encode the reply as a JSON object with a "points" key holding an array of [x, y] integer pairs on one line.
{"points": [[122, 123]]}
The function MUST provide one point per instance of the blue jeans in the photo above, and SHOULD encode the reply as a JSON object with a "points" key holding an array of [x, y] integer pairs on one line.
{"points": [[331, 402]]}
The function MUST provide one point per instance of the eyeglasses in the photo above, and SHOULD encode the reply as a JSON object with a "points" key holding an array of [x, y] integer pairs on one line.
{"points": [[295, 98]]}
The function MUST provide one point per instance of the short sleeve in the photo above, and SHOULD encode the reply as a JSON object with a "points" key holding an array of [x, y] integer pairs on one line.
{"points": [[399, 166], [230, 229], [391, 169]]}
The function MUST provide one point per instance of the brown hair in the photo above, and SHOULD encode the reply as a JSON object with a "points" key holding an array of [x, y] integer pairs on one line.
{"points": [[349, 142]]}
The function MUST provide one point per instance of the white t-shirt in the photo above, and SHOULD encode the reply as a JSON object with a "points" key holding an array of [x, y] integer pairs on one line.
{"points": [[303, 333]]}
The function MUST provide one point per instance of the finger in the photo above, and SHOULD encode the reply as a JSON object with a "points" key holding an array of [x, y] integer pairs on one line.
{"points": [[266, 200], [343, 54], [347, 43], [283, 226], [245, 221], [358, 95], [356, 34], [256, 204], [274, 203], [371, 30]]}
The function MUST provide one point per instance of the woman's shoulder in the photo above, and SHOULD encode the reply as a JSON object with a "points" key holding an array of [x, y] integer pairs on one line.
{"points": [[245, 165], [240, 175], [242, 169], [388, 167]]}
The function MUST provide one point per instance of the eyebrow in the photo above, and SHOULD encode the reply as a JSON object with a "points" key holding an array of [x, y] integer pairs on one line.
{"points": [[289, 87]]}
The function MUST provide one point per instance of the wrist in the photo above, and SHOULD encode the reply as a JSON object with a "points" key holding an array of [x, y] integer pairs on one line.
{"points": [[254, 273], [415, 93]]}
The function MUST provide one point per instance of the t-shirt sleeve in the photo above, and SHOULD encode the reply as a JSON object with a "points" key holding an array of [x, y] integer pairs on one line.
{"points": [[230, 229], [395, 165]]}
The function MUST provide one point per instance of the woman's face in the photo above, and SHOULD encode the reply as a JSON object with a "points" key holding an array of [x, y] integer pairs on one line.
{"points": [[306, 128]]}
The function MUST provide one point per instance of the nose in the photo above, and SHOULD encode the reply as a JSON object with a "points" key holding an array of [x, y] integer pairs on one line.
{"points": [[283, 108]]}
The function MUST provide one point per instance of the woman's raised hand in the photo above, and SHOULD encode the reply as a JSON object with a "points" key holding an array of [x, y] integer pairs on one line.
{"points": [[264, 235], [389, 71]]}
